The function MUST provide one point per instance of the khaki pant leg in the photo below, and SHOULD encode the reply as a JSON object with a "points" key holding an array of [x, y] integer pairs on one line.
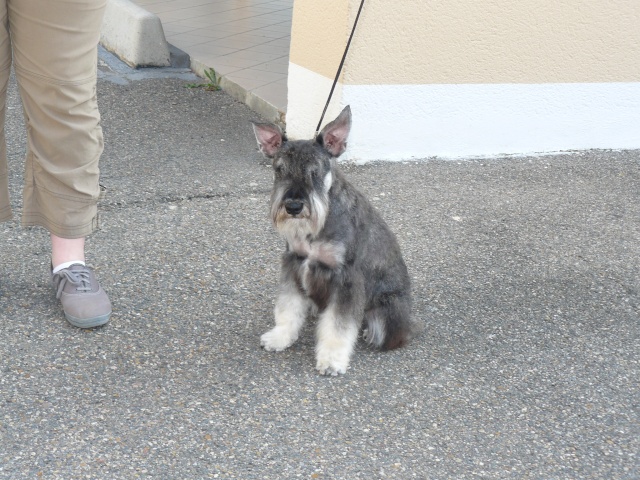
{"points": [[5, 68], [55, 59]]}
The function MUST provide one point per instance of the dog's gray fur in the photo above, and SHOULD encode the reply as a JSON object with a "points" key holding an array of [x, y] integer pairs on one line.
{"points": [[341, 261]]}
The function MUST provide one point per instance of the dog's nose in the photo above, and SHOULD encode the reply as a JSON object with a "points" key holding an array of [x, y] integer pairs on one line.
{"points": [[293, 207]]}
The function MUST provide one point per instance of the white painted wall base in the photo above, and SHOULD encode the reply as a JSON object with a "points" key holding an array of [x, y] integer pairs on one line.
{"points": [[306, 98], [400, 122]]}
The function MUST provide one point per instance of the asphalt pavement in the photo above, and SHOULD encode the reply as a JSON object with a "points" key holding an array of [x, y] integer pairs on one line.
{"points": [[526, 272]]}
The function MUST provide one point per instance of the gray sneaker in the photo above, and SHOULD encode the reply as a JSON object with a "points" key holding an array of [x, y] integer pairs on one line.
{"points": [[84, 302]]}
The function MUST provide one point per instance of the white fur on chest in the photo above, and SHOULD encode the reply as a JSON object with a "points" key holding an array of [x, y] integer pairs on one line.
{"points": [[327, 252]]}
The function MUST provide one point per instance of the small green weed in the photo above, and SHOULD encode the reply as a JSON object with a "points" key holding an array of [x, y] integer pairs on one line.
{"points": [[214, 81]]}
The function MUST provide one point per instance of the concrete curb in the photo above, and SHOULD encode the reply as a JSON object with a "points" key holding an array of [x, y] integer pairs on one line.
{"points": [[134, 35], [259, 105]]}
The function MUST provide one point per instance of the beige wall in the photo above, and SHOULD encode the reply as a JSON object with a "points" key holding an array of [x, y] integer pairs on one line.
{"points": [[415, 42], [319, 33]]}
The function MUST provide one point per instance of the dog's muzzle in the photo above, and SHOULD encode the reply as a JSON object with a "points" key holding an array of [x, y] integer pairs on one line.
{"points": [[293, 206]]}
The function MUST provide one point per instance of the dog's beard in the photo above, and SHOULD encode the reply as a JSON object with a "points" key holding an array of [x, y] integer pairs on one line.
{"points": [[309, 222]]}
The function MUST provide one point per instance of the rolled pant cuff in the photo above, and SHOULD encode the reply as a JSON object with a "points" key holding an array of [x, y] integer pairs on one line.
{"points": [[5, 214], [71, 218], [35, 220]]}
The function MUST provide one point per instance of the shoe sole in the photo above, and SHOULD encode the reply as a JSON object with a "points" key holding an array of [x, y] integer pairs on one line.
{"points": [[88, 322]]}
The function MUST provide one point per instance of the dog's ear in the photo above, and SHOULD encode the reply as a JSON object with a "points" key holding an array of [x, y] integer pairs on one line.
{"points": [[334, 135], [269, 136]]}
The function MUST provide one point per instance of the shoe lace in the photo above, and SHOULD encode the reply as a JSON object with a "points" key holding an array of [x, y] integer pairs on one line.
{"points": [[80, 278]]}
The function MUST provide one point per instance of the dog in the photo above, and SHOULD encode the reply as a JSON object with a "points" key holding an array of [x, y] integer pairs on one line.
{"points": [[342, 263]]}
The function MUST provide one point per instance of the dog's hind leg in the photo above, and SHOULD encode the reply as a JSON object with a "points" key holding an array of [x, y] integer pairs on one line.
{"points": [[389, 324], [290, 314], [375, 329]]}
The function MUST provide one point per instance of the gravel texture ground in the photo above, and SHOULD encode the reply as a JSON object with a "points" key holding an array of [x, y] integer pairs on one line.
{"points": [[526, 272]]}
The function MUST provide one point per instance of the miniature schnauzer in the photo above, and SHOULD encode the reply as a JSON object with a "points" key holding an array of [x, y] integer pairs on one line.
{"points": [[342, 263]]}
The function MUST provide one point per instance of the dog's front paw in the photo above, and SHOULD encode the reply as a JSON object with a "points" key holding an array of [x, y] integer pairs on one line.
{"points": [[277, 339], [331, 365]]}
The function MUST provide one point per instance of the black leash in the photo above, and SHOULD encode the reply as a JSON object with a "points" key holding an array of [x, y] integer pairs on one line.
{"points": [[339, 68]]}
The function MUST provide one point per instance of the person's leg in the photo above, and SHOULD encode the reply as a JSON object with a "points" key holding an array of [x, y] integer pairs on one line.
{"points": [[5, 68], [55, 59], [65, 250]]}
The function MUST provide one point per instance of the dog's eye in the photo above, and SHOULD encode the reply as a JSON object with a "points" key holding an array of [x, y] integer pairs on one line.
{"points": [[278, 169]]}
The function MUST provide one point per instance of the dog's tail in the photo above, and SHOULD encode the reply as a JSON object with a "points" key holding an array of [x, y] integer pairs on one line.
{"points": [[389, 325]]}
